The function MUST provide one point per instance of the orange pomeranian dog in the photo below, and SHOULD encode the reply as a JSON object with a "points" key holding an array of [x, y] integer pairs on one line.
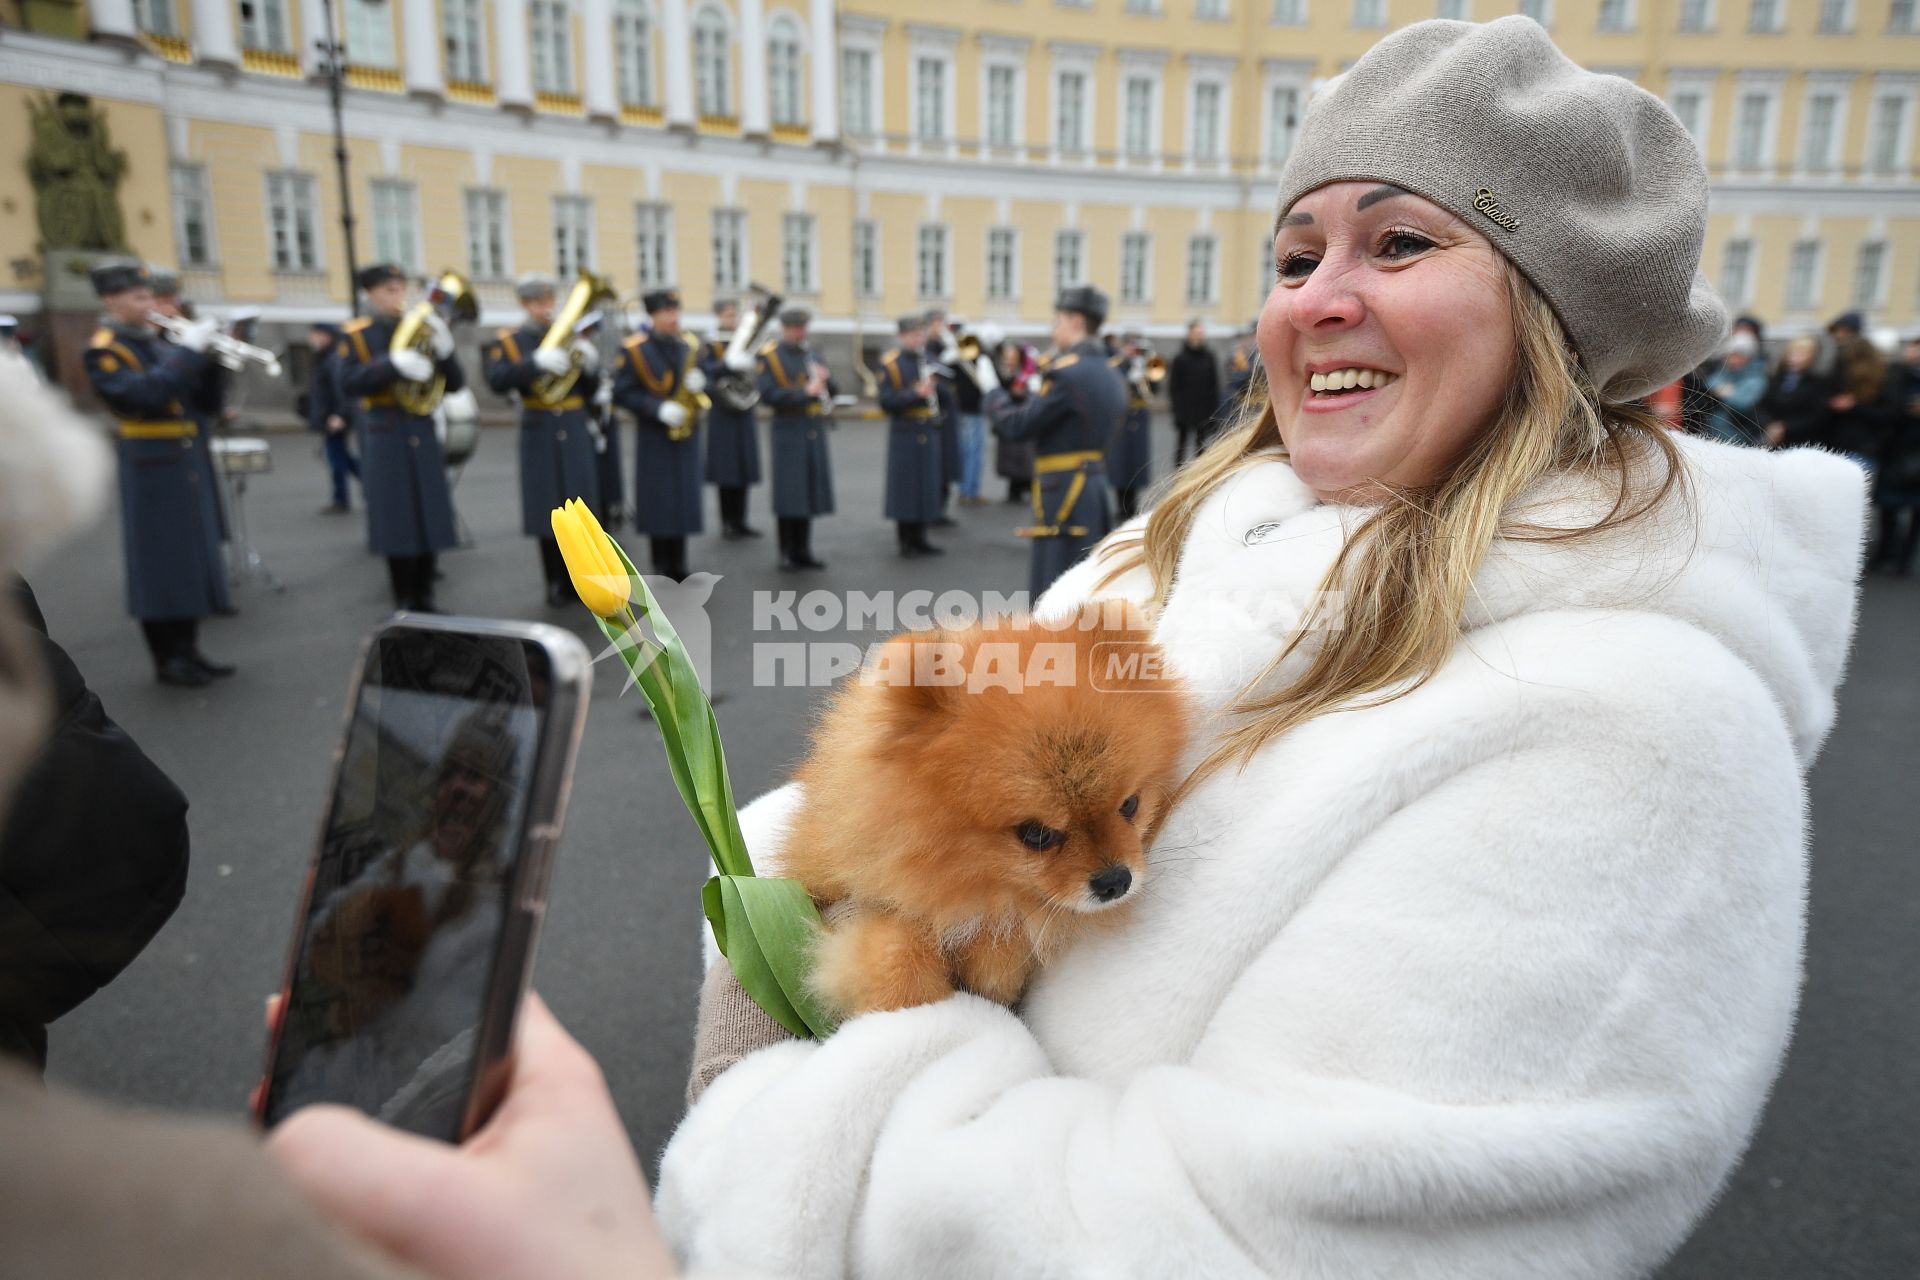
{"points": [[975, 798]]}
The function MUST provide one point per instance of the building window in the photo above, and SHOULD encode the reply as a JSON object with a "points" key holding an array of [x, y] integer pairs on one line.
{"points": [[633, 53], [1283, 122], [1069, 259], [712, 74], [1289, 13], [1750, 130], [1210, 10], [1696, 15], [572, 235], [369, 31], [1136, 253], [487, 234], [155, 17], [1369, 14], [930, 279], [1900, 18], [1616, 15], [1687, 105], [796, 253], [1764, 16], [464, 29], [729, 250], [292, 222], [653, 245], [1070, 111], [1453, 10], [1149, 8], [1836, 17], [783, 71], [1817, 132], [1885, 143], [1869, 275], [1205, 142], [1736, 271], [866, 259], [856, 91], [396, 223], [192, 215], [1139, 117], [1002, 86], [1541, 11], [1803, 269], [930, 99], [263, 26], [552, 46], [1002, 243], [1201, 254]]}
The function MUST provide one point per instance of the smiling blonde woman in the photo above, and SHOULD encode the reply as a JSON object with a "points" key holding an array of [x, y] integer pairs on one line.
{"points": [[1472, 946]]}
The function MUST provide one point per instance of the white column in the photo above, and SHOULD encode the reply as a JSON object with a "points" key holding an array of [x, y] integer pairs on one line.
{"points": [[676, 58], [213, 33], [596, 39], [753, 67], [313, 30], [825, 71], [421, 33], [113, 18], [512, 67]]}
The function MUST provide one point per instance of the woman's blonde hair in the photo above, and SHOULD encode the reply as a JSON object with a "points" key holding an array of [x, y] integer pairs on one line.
{"points": [[1391, 605]]}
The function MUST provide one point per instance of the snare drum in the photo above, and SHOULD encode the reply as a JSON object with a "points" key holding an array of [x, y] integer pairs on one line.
{"points": [[458, 426], [241, 455]]}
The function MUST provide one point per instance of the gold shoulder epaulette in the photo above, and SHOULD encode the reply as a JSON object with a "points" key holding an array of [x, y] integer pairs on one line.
{"points": [[891, 357], [356, 324], [102, 337], [635, 341], [503, 333], [768, 347], [1061, 363]]}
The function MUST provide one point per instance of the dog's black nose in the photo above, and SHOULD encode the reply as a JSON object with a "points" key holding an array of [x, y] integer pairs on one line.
{"points": [[1110, 883]]}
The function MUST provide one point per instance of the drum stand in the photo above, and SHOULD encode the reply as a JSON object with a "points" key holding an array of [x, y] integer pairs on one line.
{"points": [[245, 563]]}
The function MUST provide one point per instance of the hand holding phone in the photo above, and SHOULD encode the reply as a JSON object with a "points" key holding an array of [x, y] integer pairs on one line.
{"points": [[415, 936]]}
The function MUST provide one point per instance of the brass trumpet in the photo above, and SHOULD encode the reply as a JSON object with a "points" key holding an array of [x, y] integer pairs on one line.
{"points": [[694, 402], [223, 349], [588, 291], [452, 293]]}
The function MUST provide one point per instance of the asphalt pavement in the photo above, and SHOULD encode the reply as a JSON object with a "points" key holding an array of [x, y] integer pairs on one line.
{"points": [[1829, 1189]]}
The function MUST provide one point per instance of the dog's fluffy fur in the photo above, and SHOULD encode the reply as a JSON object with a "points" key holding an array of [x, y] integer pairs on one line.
{"points": [[925, 802]]}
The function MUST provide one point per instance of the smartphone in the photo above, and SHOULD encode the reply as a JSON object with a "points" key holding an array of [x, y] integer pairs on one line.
{"points": [[414, 941]]}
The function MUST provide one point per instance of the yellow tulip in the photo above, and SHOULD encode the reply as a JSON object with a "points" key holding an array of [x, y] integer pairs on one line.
{"points": [[597, 573]]}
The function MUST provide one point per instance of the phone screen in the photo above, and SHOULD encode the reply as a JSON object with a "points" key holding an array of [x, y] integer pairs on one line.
{"points": [[413, 883]]}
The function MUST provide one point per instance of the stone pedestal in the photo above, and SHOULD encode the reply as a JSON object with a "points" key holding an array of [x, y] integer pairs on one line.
{"points": [[69, 313]]}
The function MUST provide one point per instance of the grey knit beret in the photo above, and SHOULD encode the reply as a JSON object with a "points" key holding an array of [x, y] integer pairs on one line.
{"points": [[1587, 182]]}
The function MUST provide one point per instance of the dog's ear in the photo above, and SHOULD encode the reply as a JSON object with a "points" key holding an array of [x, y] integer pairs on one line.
{"points": [[919, 673]]}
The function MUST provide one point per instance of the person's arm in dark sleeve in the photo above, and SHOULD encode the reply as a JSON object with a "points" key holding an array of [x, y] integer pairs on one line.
{"points": [[777, 394], [505, 366], [1040, 412]]}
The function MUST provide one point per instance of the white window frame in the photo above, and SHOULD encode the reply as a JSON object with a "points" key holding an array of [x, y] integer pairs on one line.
{"points": [[932, 108], [1697, 17], [1838, 88], [369, 43], [573, 234], [634, 70], [1903, 18], [1288, 13], [1136, 269], [1072, 116], [486, 218], [1764, 86], [1807, 299], [935, 239], [800, 253], [1212, 10], [156, 17], [1208, 148], [1766, 17], [1454, 10], [653, 248], [192, 199], [550, 46], [1001, 274], [1143, 146], [296, 194], [463, 40], [1698, 83], [394, 215], [1906, 89], [1541, 11], [866, 258], [1070, 58], [1841, 13], [1218, 74], [708, 23], [779, 23], [1367, 15], [1736, 271], [730, 243], [1062, 238], [1143, 9], [1293, 74], [1874, 296], [1009, 55], [1208, 292], [926, 47], [269, 28], [1615, 16], [863, 36]]}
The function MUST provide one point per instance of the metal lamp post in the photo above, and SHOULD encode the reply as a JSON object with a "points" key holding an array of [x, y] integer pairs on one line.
{"points": [[335, 53]]}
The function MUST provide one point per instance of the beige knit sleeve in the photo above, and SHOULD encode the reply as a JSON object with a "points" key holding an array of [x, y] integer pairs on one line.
{"points": [[731, 1026]]}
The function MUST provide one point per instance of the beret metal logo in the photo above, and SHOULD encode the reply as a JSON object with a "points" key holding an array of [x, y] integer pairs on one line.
{"points": [[1486, 202]]}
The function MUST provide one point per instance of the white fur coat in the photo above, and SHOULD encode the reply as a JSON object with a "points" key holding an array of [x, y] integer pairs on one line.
{"points": [[1488, 981]]}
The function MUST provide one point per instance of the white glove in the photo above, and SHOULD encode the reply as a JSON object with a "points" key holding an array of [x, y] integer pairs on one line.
{"points": [[740, 361], [984, 376], [551, 360], [412, 365], [696, 381], [198, 336], [442, 336], [672, 414], [1034, 382], [603, 394], [599, 436], [586, 353]]}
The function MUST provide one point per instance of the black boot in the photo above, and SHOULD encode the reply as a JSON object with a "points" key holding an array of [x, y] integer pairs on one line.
{"points": [[171, 647], [190, 646], [400, 577], [424, 572], [802, 553], [787, 529], [553, 569]]}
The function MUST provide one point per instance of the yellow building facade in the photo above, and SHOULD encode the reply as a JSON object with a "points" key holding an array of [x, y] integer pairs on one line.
{"points": [[876, 156]]}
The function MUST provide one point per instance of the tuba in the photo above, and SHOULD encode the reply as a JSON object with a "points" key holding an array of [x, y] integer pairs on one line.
{"points": [[452, 295], [588, 291], [738, 391]]}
